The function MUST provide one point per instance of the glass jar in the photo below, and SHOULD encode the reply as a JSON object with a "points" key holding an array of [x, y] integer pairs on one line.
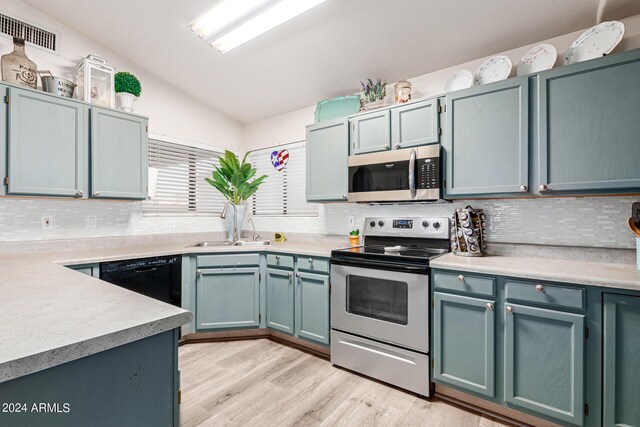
{"points": [[17, 68], [402, 91]]}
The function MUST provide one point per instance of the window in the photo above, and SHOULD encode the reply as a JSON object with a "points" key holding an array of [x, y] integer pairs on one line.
{"points": [[180, 188], [284, 191]]}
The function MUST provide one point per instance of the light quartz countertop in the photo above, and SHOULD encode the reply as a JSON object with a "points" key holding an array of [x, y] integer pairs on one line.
{"points": [[621, 276], [50, 314]]}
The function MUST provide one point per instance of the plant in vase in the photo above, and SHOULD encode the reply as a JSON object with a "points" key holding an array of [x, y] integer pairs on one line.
{"points": [[128, 89], [233, 179], [373, 94], [354, 237]]}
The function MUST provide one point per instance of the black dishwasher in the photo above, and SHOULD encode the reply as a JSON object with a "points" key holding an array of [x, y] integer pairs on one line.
{"points": [[158, 277]]}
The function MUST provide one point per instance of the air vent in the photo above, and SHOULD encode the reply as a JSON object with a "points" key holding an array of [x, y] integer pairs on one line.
{"points": [[36, 36]]}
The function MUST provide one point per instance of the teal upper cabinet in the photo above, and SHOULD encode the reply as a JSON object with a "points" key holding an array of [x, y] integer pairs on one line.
{"points": [[544, 362], [464, 343], [227, 298], [589, 125], [415, 124], [280, 300], [119, 167], [370, 132], [3, 135], [621, 360], [312, 307], [487, 140], [46, 144], [327, 168]]}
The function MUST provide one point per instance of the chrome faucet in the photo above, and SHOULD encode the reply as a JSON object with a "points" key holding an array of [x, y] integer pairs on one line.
{"points": [[223, 215], [253, 237]]}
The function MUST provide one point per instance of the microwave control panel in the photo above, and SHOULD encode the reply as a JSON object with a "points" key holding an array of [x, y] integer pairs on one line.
{"points": [[429, 173]]}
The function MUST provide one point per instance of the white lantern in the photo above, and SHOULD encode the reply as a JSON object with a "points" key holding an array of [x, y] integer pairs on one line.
{"points": [[95, 81]]}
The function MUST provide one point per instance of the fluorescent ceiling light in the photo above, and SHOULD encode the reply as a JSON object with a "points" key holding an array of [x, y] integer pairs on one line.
{"points": [[269, 17]]}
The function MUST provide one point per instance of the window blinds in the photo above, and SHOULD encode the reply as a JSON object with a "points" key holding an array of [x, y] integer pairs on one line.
{"points": [[180, 188], [284, 191]]}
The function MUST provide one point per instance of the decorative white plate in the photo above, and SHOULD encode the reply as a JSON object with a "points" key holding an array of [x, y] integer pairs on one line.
{"points": [[461, 79], [493, 69], [595, 42], [539, 58]]}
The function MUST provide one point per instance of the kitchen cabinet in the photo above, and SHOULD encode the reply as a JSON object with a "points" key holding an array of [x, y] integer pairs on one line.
{"points": [[463, 342], [119, 165], [327, 154], [544, 361], [415, 124], [621, 362], [588, 126], [227, 298], [46, 144], [486, 140], [370, 132], [280, 300], [312, 307]]}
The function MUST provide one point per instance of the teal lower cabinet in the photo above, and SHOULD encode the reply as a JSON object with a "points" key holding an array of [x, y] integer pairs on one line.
{"points": [[227, 298], [544, 361], [312, 307], [464, 343], [280, 300], [621, 388]]}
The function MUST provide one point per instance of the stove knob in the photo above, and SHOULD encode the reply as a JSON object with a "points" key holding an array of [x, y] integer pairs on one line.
{"points": [[372, 224], [425, 224], [436, 225], [380, 223]]}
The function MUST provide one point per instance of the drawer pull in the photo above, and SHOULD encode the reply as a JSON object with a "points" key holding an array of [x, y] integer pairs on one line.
{"points": [[298, 275], [311, 261], [199, 273], [277, 257], [290, 275], [489, 306], [509, 309], [539, 289], [523, 188], [461, 278]]}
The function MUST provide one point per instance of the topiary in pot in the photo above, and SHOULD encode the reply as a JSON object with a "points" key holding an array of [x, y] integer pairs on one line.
{"points": [[128, 89]]}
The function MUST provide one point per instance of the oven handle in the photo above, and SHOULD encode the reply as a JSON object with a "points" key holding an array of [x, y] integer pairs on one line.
{"points": [[381, 265], [412, 173]]}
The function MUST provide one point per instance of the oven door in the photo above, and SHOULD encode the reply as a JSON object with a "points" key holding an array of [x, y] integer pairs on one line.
{"points": [[388, 306]]}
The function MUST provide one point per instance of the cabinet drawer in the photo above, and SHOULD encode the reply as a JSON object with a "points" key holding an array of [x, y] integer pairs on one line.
{"points": [[542, 293], [318, 265], [280, 261], [464, 283], [228, 260]]}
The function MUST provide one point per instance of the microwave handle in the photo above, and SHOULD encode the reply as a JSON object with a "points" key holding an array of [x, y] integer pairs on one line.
{"points": [[412, 173]]}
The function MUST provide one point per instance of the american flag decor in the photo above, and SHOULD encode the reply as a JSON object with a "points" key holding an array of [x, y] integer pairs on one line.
{"points": [[279, 159]]}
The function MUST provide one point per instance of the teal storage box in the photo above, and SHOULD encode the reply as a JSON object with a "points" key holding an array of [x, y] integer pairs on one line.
{"points": [[329, 109]]}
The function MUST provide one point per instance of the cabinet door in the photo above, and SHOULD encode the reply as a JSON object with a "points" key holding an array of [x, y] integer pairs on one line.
{"points": [[280, 300], [487, 140], [3, 138], [415, 124], [227, 298], [588, 127], [370, 132], [464, 343], [327, 168], [544, 362], [621, 360], [119, 165], [312, 307], [46, 144]]}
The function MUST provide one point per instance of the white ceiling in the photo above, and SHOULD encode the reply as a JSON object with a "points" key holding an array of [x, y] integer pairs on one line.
{"points": [[324, 52]]}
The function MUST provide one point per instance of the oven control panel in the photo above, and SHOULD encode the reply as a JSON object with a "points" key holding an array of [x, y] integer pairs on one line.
{"points": [[434, 228], [402, 223]]}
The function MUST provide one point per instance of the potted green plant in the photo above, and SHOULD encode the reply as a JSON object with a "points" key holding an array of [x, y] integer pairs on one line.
{"points": [[233, 180], [354, 237], [373, 94], [128, 89]]}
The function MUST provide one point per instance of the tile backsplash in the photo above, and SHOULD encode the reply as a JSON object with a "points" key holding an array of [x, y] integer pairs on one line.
{"points": [[588, 221]]}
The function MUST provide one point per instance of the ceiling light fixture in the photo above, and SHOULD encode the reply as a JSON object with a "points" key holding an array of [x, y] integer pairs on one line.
{"points": [[242, 23]]}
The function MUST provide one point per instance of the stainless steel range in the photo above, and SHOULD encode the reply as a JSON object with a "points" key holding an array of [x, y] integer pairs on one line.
{"points": [[380, 300]]}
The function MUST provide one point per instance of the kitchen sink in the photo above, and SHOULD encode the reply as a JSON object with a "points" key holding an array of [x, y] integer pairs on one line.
{"points": [[228, 243]]}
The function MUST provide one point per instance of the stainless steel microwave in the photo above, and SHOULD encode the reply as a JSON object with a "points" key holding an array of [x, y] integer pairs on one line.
{"points": [[409, 174]]}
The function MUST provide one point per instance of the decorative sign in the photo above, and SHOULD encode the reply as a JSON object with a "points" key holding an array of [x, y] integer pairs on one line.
{"points": [[280, 159]]}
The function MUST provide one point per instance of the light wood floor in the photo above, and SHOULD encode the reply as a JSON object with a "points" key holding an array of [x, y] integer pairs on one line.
{"points": [[262, 383]]}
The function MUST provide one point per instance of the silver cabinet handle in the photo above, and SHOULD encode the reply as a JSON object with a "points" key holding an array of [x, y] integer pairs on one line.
{"points": [[298, 275], [396, 146], [489, 306], [344, 197], [290, 274], [199, 273], [509, 309], [523, 188], [79, 193], [386, 147], [412, 173], [310, 260], [97, 193], [277, 257], [461, 278], [543, 187], [539, 289]]}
